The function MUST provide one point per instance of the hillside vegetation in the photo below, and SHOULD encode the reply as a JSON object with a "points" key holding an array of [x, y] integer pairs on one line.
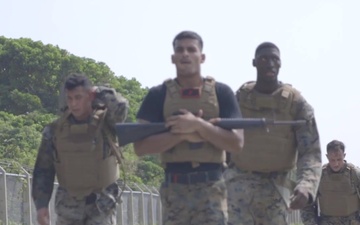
{"points": [[31, 76]]}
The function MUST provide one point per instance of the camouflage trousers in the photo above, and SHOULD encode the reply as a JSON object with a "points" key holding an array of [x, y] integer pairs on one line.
{"points": [[72, 211], [346, 220], [253, 200], [194, 204]]}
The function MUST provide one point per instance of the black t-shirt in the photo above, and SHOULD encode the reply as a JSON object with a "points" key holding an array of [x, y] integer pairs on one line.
{"points": [[152, 107]]}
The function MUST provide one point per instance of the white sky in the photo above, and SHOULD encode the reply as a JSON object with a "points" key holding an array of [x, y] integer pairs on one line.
{"points": [[318, 39]]}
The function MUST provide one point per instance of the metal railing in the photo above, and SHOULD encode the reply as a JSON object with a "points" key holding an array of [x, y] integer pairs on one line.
{"points": [[141, 205]]}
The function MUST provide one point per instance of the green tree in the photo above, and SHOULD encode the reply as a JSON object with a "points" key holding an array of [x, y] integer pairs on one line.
{"points": [[20, 136], [39, 70], [20, 103], [31, 78], [150, 173], [132, 90]]}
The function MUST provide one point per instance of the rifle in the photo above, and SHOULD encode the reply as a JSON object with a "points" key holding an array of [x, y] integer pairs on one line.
{"points": [[132, 132]]}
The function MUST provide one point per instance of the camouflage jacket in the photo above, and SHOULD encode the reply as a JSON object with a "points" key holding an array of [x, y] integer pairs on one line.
{"points": [[44, 171], [310, 215], [309, 163]]}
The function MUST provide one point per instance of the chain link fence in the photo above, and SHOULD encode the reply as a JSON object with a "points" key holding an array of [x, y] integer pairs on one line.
{"points": [[140, 204]]}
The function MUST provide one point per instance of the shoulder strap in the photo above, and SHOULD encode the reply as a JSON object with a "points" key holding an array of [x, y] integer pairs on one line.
{"points": [[171, 86], [243, 92], [324, 169], [209, 84], [59, 123], [116, 150], [247, 86], [354, 177]]}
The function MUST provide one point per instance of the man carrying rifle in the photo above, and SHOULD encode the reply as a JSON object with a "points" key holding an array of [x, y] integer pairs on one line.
{"points": [[192, 152], [259, 189], [338, 200], [80, 149]]}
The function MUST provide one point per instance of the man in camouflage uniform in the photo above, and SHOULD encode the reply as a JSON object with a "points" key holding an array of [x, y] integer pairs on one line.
{"points": [[338, 200], [259, 189], [81, 149], [192, 153]]}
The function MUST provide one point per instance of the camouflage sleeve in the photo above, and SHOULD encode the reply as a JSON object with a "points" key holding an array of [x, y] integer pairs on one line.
{"points": [[44, 171], [309, 214], [357, 171], [116, 104], [309, 162]]}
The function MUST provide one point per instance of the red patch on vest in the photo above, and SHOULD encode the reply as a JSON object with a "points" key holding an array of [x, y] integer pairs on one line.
{"points": [[190, 93]]}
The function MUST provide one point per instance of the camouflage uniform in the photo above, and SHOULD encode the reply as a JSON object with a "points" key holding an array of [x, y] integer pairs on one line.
{"points": [[312, 215], [194, 190], [263, 197], [308, 219], [195, 203], [95, 209]]}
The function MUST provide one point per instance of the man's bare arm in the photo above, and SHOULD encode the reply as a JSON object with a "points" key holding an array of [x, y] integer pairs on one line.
{"points": [[157, 143], [231, 141]]}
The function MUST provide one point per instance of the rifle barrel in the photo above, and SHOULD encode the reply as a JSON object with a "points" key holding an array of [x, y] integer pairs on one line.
{"points": [[131, 132], [246, 123], [295, 122]]}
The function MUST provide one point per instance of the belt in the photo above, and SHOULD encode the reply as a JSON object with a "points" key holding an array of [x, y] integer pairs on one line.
{"points": [[256, 173], [193, 178], [264, 174], [91, 198]]}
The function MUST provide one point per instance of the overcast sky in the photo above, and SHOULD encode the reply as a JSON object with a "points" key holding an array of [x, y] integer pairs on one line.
{"points": [[319, 43]]}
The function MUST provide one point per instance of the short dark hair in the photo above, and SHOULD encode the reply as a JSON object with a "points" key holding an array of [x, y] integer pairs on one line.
{"points": [[77, 79], [265, 45], [188, 35], [334, 146]]}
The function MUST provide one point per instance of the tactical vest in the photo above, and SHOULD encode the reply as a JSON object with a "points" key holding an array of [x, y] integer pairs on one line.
{"points": [[273, 151], [338, 194], [82, 166], [208, 102]]}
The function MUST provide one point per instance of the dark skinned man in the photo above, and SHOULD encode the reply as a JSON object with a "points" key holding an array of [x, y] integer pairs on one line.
{"points": [[259, 189]]}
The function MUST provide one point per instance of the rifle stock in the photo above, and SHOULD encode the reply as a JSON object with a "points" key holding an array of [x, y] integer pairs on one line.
{"points": [[131, 132]]}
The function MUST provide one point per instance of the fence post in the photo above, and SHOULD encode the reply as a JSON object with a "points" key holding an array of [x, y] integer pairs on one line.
{"points": [[159, 206], [120, 210], [151, 207], [131, 207], [142, 206], [3, 198], [27, 203], [27, 199]]}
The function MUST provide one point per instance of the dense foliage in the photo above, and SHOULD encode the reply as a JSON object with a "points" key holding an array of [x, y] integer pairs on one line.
{"points": [[31, 76]]}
